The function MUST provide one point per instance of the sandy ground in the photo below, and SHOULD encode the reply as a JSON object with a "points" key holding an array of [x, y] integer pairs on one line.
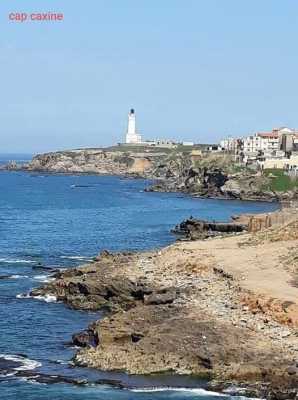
{"points": [[258, 268]]}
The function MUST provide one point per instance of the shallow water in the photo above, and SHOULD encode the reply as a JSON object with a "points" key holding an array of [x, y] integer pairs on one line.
{"points": [[64, 220]]}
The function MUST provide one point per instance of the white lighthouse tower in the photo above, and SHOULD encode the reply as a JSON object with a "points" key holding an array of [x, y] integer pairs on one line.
{"points": [[132, 136]]}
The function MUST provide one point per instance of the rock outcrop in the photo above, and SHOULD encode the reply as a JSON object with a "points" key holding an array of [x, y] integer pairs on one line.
{"points": [[181, 310], [219, 183], [194, 229], [99, 161]]}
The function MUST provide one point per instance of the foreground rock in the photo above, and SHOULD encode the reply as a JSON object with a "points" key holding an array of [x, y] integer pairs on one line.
{"points": [[194, 229], [202, 307]]}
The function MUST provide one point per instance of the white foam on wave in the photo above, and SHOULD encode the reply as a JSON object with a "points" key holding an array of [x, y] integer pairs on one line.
{"points": [[77, 258], [31, 380], [48, 298], [18, 276], [16, 261], [23, 296], [27, 364], [238, 397], [43, 278], [62, 362], [237, 393], [200, 392], [8, 374], [194, 391]]}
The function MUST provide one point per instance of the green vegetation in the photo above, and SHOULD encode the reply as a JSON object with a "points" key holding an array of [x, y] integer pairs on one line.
{"points": [[237, 168], [181, 148], [152, 149], [139, 149], [278, 181]]}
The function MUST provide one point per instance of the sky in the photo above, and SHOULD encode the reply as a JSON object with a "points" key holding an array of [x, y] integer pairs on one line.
{"points": [[192, 70]]}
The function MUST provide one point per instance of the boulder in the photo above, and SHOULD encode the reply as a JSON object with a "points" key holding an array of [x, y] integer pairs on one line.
{"points": [[199, 229], [156, 298]]}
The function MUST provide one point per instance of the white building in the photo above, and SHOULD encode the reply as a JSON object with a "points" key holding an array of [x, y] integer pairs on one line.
{"points": [[288, 139], [161, 143], [132, 137], [270, 141], [229, 144], [279, 163], [266, 142], [215, 148]]}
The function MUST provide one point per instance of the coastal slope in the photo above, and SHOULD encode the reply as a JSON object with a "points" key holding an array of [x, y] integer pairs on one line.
{"points": [[225, 308]]}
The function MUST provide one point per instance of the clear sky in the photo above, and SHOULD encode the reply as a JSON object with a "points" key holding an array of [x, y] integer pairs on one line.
{"points": [[192, 69]]}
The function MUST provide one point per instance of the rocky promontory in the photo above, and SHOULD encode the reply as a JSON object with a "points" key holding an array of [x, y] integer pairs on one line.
{"points": [[208, 308], [97, 161], [173, 170]]}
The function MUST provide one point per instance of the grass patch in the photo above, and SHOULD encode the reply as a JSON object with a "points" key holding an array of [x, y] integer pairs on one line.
{"points": [[279, 181], [139, 149], [152, 149]]}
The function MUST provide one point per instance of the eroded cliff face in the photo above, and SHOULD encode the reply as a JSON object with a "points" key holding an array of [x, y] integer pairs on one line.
{"points": [[206, 178], [97, 161]]}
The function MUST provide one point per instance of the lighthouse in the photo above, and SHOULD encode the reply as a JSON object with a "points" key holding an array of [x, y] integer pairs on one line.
{"points": [[132, 136]]}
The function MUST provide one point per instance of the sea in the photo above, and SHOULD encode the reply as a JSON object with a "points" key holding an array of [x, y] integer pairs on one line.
{"points": [[62, 221]]}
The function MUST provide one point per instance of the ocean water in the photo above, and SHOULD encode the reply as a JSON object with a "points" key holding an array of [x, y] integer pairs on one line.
{"points": [[63, 221]]}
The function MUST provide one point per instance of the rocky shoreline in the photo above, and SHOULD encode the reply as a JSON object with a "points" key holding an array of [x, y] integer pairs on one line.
{"points": [[193, 307], [187, 309], [206, 176]]}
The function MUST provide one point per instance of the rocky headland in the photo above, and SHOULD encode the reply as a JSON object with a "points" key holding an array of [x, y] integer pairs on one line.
{"points": [[103, 161], [225, 309], [173, 170]]}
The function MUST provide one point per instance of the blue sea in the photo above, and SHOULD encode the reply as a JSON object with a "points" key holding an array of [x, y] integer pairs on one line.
{"points": [[63, 221]]}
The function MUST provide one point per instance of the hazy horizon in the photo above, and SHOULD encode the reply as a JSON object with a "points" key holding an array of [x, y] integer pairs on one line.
{"points": [[193, 70]]}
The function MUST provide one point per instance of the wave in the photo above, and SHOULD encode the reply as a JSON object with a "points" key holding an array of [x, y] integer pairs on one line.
{"points": [[196, 391], [48, 298], [43, 278], [16, 261], [8, 374], [77, 258], [4, 277], [31, 380], [25, 363], [200, 392], [61, 362], [18, 276]]}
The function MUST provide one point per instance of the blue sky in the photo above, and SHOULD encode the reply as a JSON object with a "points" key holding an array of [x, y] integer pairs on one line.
{"points": [[193, 70]]}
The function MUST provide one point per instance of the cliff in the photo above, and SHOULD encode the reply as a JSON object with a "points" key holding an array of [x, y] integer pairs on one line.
{"points": [[98, 161], [218, 176]]}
